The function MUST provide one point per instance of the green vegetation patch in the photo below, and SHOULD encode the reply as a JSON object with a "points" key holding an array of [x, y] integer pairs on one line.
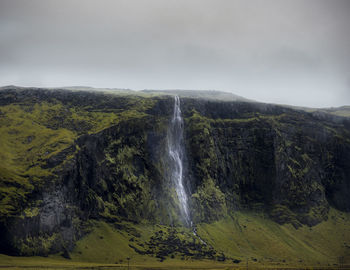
{"points": [[142, 242], [253, 236], [31, 133]]}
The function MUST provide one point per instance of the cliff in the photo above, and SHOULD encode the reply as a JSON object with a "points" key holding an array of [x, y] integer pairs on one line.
{"points": [[73, 162]]}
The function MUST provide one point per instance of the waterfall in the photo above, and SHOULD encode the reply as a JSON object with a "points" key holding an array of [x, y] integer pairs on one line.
{"points": [[176, 155]]}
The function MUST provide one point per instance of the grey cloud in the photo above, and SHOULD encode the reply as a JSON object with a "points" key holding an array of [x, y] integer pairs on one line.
{"points": [[276, 51]]}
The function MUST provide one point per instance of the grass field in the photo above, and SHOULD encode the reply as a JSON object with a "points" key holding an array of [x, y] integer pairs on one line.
{"points": [[57, 263], [243, 238]]}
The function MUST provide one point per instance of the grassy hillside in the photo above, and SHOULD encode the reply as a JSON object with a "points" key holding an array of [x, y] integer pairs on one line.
{"points": [[198, 94], [341, 111], [244, 237], [249, 235]]}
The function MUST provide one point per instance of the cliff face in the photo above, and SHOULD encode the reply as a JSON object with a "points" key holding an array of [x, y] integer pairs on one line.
{"points": [[102, 157], [113, 174], [288, 163]]}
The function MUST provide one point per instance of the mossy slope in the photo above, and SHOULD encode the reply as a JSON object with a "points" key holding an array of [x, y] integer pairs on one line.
{"points": [[233, 241]]}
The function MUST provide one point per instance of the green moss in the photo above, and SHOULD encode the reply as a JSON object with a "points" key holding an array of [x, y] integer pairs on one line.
{"points": [[36, 244], [282, 214], [209, 202], [142, 243], [31, 212], [32, 133]]}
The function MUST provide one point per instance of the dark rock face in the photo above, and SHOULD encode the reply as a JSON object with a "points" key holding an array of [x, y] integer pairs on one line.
{"points": [[290, 164], [114, 174], [111, 177], [51, 229]]}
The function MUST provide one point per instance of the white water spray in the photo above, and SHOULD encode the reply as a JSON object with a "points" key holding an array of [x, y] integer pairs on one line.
{"points": [[176, 154]]}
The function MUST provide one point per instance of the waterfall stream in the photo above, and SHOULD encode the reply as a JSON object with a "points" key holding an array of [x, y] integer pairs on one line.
{"points": [[176, 154]]}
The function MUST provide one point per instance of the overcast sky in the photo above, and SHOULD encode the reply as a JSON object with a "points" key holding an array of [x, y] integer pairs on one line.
{"points": [[292, 51]]}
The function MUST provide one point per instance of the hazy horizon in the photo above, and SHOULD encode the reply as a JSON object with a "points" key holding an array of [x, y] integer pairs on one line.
{"points": [[293, 52]]}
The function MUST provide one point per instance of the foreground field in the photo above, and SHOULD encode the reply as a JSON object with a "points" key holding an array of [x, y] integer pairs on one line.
{"points": [[56, 263], [238, 241]]}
